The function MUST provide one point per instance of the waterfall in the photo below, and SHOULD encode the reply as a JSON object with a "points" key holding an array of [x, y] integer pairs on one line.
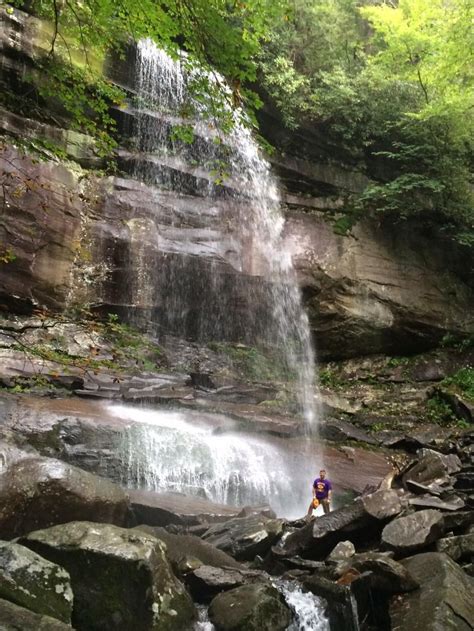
{"points": [[179, 450], [224, 274]]}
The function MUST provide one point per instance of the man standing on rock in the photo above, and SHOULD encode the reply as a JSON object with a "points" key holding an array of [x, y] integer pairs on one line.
{"points": [[322, 492]]}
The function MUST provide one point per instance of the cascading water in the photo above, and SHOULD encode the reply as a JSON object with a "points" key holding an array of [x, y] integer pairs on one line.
{"points": [[248, 293], [173, 450], [308, 610]]}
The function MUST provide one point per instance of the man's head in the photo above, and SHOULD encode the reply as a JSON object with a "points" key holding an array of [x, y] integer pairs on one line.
{"points": [[322, 474]]}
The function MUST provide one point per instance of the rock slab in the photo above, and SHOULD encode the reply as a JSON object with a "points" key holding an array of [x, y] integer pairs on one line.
{"points": [[15, 618], [250, 608], [413, 532], [40, 492], [245, 537], [121, 578], [444, 600], [30, 581]]}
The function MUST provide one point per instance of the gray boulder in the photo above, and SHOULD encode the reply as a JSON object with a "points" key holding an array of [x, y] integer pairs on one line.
{"points": [[40, 492], [431, 466], [250, 608], [413, 532], [179, 548], [458, 548], [444, 600], [30, 581], [15, 618], [121, 578], [344, 550], [205, 582], [245, 537]]}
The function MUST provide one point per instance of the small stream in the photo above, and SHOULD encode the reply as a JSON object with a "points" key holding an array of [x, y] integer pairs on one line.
{"points": [[308, 610]]}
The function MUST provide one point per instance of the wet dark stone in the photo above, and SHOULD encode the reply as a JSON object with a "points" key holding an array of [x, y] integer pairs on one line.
{"points": [[413, 532], [245, 537], [250, 608], [444, 600], [40, 492]]}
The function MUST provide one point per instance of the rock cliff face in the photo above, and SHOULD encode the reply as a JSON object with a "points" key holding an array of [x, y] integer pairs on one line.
{"points": [[78, 238]]}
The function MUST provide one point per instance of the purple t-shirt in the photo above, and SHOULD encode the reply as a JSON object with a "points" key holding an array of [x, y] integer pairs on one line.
{"points": [[322, 488]]}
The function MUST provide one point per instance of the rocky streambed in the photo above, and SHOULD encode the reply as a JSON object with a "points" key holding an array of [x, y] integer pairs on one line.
{"points": [[81, 552], [120, 506]]}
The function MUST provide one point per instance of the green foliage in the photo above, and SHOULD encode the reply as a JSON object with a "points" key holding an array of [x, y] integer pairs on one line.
{"points": [[7, 255], [455, 341], [218, 36], [330, 379], [392, 85], [253, 363], [131, 346], [86, 98], [439, 411], [462, 381], [394, 362]]}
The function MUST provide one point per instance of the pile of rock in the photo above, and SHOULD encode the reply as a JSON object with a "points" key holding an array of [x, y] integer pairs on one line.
{"points": [[399, 558], [87, 557]]}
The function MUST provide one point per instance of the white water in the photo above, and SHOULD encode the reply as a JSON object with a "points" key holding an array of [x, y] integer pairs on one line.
{"points": [[267, 314], [175, 450], [308, 610]]}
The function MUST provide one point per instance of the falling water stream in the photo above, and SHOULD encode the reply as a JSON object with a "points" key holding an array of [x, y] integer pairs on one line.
{"points": [[225, 276], [248, 291]]}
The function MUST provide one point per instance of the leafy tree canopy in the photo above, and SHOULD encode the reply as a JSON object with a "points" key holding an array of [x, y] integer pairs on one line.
{"points": [[392, 84], [219, 35]]}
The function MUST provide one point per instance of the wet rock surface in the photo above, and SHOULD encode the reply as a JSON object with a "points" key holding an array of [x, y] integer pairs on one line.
{"points": [[250, 608], [205, 582], [162, 509], [121, 578], [444, 600], [15, 618], [28, 580], [413, 532], [39, 492], [245, 537], [179, 548], [386, 575]]}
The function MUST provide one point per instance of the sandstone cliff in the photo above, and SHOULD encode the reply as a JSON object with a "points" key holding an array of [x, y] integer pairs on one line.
{"points": [[79, 237]]}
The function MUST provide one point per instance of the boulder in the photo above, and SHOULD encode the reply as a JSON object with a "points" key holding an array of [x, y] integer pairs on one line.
{"points": [[431, 466], [245, 537], [342, 431], [205, 582], [454, 503], [357, 522], [343, 550], [30, 581], [121, 578], [40, 492], [182, 547], [444, 600], [15, 618], [386, 575], [458, 548], [413, 532], [162, 509], [250, 608]]}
